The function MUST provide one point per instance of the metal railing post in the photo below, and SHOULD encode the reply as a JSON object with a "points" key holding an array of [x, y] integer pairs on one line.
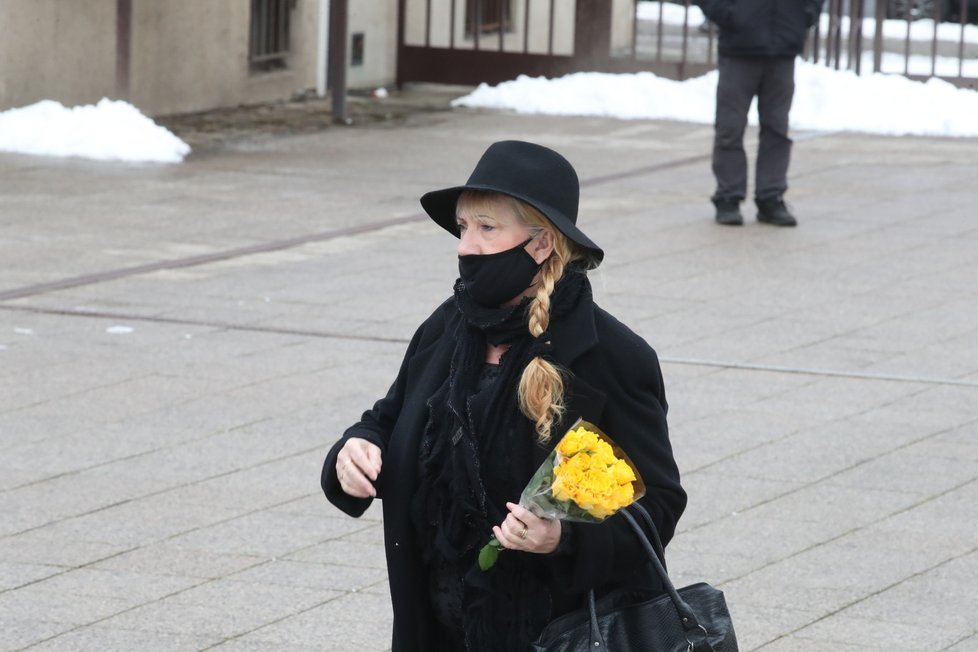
{"points": [[964, 21], [856, 35], [880, 14]]}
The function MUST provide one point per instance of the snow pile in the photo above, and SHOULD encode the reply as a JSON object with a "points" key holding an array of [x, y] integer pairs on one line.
{"points": [[110, 130], [825, 100]]}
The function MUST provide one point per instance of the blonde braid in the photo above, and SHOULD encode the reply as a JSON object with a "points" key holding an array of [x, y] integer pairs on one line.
{"points": [[541, 390]]}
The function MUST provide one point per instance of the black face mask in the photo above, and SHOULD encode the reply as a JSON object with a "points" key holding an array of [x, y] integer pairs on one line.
{"points": [[493, 279]]}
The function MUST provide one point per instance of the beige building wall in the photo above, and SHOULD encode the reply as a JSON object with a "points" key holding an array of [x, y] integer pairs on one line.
{"points": [[377, 21], [186, 55], [52, 49], [189, 55], [192, 55]]}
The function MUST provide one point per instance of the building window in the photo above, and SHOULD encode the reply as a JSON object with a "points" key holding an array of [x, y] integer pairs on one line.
{"points": [[270, 33], [356, 49], [489, 15]]}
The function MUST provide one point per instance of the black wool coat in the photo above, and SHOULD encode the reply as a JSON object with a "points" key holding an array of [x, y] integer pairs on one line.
{"points": [[761, 28], [615, 382]]}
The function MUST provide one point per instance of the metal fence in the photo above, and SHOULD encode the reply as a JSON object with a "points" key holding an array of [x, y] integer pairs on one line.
{"points": [[916, 39], [473, 41]]}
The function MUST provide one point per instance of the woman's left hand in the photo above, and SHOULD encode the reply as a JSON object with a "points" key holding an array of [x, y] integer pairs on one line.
{"points": [[522, 530]]}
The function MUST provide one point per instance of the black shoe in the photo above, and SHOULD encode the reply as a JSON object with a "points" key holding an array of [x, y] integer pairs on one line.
{"points": [[774, 211], [728, 212]]}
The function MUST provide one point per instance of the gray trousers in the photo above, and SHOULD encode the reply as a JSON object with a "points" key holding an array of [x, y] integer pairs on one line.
{"points": [[773, 82]]}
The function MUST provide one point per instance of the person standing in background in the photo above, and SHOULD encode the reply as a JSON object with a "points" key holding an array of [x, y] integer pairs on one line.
{"points": [[759, 40]]}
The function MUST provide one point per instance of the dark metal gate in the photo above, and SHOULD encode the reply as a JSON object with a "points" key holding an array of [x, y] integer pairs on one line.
{"points": [[474, 41]]}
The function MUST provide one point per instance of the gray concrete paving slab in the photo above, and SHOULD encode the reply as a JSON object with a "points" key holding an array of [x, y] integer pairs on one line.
{"points": [[165, 559], [91, 638], [335, 621], [18, 634], [163, 419]]}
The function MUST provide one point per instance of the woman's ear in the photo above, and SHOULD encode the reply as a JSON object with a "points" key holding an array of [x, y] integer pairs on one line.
{"points": [[543, 246]]}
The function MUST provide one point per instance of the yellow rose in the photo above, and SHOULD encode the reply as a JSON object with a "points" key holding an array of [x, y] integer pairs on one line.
{"points": [[590, 475], [623, 473]]}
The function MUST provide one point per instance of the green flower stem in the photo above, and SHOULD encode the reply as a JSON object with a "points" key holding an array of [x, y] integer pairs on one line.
{"points": [[489, 554]]}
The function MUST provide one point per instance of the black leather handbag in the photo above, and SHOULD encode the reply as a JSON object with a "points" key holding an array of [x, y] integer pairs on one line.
{"points": [[694, 618]]}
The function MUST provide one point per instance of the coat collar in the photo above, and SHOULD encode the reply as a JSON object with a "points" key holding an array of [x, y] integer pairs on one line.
{"points": [[572, 336], [574, 333]]}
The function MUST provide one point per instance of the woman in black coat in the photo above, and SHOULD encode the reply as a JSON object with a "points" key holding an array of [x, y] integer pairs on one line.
{"points": [[489, 384]]}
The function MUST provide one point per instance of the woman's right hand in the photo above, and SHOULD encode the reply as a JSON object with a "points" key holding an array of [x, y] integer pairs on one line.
{"points": [[357, 467]]}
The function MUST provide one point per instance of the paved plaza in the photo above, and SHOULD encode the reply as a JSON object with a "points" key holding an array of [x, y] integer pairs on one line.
{"points": [[181, 344]]}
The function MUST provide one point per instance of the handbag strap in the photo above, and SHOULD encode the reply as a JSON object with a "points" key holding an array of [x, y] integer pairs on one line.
{"points": [[597, 643], [660, 550], [655, 550], [686, 616]]}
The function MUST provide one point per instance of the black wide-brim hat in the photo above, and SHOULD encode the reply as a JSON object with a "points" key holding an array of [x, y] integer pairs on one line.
{"points": [[531, 173]]}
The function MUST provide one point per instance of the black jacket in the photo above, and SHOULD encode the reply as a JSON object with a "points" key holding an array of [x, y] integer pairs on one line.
{"points": [[616, 383], [762, 28]]}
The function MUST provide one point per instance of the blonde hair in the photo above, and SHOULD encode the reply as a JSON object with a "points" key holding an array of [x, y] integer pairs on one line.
{"points": [[541, 388]]}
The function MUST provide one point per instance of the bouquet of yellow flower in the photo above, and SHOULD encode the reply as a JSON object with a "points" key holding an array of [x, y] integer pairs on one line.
{"points": [[586, 478]]}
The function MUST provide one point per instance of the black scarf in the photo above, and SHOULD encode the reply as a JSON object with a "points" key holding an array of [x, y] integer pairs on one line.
{"points": [[478, 451]]}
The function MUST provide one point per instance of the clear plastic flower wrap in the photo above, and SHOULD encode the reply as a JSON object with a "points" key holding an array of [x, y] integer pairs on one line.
{"points": [[585, 478]]}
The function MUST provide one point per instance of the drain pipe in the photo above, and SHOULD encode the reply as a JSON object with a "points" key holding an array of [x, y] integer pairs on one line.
{"points": [[337, 59], [323, 49], [123, 49]]}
